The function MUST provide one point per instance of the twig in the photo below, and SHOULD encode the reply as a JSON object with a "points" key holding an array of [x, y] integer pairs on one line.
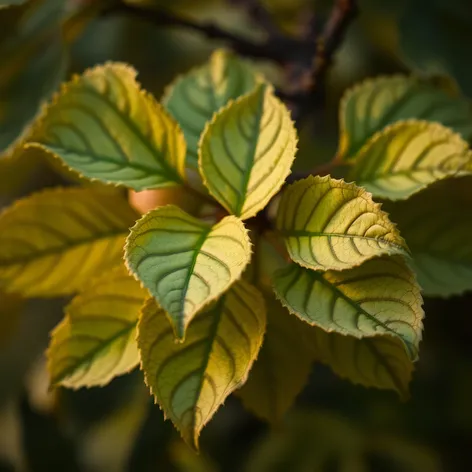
{"points": [[259, 15], [280, 49], [310, 81]]}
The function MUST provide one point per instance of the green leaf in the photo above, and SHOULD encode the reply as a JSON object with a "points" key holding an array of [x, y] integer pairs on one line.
{"points": [[52, 242], [379, 297], [408, 156], [194, 97], [96, 341], [282, 367], [184, 262], [379, 362], [34, 63], [104, 126], [438, 231], [374, 104], [191, 380], [246, 152], [331, 224]]}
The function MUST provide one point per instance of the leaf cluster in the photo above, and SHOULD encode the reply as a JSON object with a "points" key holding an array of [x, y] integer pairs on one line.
{"points": [[255, 280]]}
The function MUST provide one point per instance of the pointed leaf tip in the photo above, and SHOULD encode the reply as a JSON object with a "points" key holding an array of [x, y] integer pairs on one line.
{"points": [[191, 380], [247, 151], [184, 262], [331, 224]]}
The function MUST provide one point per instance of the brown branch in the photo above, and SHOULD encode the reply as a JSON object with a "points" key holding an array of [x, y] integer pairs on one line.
{"points": [[260, 16], [310, 81], [280, 49]]}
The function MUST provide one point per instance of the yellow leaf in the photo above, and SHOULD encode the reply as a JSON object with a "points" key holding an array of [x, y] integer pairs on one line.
{"points": [[191, 380], [95, 341], [53, 242]]}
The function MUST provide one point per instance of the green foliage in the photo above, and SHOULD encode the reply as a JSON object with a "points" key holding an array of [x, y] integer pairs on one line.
{"points": [[439, 236], [379, 297], [374, 104], [408, 156], [52, 242], [191, 380], [330, 224], [246, 152], [196, 287], [96, 340], [104, 126], [186, 263], [193, 98]]}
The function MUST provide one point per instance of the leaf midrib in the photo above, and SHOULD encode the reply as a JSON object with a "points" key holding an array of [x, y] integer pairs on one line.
{"points": [[295, 233], [371, 317], [91, 354]]}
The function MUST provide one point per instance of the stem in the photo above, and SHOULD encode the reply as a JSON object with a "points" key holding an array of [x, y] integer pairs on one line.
{"points": [[278, 49]]}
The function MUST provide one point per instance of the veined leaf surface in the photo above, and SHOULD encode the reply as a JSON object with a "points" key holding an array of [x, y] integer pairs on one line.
{"points": [[194, 97], [379, 297], [52, 242], [184, 262], [439, 234], [96, 341], [408, 156], [104, 126], [379, 362], [282, 367], [374, 104], [191, 380], [331, 224], [246, 152]]}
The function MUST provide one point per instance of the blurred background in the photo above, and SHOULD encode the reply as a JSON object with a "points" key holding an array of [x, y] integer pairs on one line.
{"points": [[334, 425]]}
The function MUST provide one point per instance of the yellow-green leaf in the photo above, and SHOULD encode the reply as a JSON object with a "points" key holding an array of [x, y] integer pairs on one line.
{"points": [[379, 297], [246, 152], [379, 362], [96, 341], [103, 125], [438, 230], [374, 104], [52, 242], [408, 156], [282, 367], [194, 97], [184, 262], [191, 380], [331, 224]]}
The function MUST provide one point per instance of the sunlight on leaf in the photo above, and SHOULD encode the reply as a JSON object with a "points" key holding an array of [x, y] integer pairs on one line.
{"points": [[282, 367], [194, 97], [379, 297], [438, 231], [408, 156], [191, 380], [103, 125], [331, 224], [376, 103], [246, 152], [52, 242], [184, 262], [96, 341]]}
